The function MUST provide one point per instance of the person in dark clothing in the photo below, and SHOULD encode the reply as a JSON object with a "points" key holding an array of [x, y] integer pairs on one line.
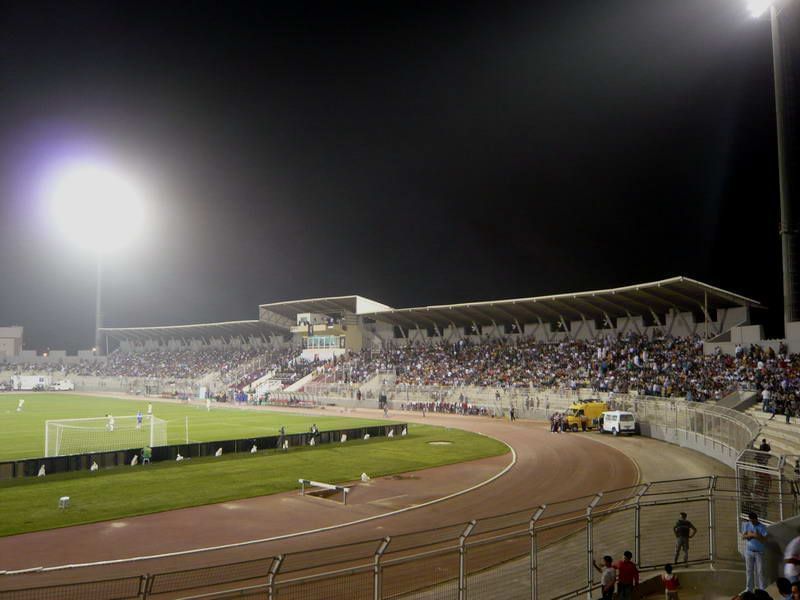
{"points": [[627, 576], [684, 530]]}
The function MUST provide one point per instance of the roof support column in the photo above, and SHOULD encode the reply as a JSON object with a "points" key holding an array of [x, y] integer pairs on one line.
{"points": [[691, 330], [564, 325], [656, 319], [457, 330], [589, 329], [707, 315], [630, 321], [476, 329], [546, 333], [520, 330]]}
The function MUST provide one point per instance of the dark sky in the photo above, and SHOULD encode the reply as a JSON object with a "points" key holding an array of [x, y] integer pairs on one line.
{"points": [[414, 153]]}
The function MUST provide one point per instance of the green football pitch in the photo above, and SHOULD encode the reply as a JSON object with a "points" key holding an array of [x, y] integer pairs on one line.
{"points": [[22, 433], [30, 504]]}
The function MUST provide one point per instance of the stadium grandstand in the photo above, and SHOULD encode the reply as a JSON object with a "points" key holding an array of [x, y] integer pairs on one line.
{"points": [[681, 355], [564, 340]]}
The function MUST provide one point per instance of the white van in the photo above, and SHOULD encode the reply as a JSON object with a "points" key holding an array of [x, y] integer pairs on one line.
{"points": [[65, 385], [619, 421]]}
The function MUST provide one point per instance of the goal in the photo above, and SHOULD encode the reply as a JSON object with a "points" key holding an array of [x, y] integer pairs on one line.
{"points": [[63, 437]]}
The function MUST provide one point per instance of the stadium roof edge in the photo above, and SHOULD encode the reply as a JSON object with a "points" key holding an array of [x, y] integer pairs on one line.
{"points": [[682, 294], [353, 303], [679, 293], [224, 328]]}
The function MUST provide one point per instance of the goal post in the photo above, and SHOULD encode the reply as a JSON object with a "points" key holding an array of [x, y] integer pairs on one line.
{"points": [[63, 437]]}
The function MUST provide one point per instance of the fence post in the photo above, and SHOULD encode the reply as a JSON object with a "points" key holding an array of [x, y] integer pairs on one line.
{"points": [[144, 584], [590, 545], [462, 576], [377, 572], [781, 462], [637, 527], [534, 555], [712, 530], [273, 571]]}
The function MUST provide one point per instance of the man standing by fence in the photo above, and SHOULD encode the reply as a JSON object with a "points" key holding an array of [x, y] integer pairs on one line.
{"points": [[608, 576], [627, 576], [755, 534], [684, 530]]}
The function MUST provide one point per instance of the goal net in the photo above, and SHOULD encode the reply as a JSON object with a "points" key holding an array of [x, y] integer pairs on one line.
{"points": [[63, 437]]}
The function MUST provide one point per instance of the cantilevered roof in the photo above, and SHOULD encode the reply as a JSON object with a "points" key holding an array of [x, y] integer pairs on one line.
{"points": [[655, 298], [199, 330], [324, 306]]}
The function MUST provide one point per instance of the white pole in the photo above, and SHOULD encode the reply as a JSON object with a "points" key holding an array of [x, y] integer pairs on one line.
{"points": [[187, 430], [46, 435], [152, 430]]}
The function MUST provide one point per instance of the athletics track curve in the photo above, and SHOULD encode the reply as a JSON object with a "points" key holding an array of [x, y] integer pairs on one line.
{"points": [[548, 468]]}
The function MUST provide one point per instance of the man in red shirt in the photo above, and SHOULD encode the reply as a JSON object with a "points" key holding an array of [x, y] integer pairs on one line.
{"points": [[627, 576]]}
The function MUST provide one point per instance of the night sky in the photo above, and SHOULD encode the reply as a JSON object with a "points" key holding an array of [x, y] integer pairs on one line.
{"points": [[413, 153]]}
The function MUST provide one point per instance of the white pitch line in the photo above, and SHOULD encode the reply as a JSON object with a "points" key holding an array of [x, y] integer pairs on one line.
{"points": [[277, 537]]}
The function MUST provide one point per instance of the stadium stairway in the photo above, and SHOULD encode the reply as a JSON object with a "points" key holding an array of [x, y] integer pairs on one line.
{"points": [[739, 400], [784, 438], [301, 383], [377, 382]]}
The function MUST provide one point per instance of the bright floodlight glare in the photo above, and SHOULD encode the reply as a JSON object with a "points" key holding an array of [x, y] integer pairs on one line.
{"points": [[95, 206], [758, 7]]}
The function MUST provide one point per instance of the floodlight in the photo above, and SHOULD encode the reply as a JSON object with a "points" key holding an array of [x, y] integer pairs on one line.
{"points": [[94, 205], [758, 7]]}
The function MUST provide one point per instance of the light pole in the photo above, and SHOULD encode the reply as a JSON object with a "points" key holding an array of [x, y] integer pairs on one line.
{"points": [[787, 225], [98, 306], [100, 210]]}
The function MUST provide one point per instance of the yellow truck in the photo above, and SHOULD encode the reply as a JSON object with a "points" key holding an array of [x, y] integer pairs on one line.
{"points": [[584, 414]]}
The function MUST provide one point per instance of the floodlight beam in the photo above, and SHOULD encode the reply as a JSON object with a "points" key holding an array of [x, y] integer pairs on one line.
{"points": [[97, 207]]}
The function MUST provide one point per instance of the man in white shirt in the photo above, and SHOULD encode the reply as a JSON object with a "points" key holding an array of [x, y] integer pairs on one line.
{"points": [[608, 575]]}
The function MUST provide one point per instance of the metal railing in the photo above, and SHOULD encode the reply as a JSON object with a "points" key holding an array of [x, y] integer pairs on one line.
{"points": [[543, 552]]}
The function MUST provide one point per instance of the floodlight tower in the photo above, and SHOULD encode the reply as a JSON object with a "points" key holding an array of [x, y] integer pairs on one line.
{"points": [[98, 208], [787, 226]]}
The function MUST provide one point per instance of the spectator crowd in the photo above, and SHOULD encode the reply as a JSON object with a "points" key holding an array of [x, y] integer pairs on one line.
{"points": [[160, 363], [236, 366], [663, 366]]}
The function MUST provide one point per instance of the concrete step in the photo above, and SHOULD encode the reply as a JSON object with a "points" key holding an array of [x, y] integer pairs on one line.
{"points": [[780, 450], [791, 437], [779, 421], [783, 438], [758, 414]]}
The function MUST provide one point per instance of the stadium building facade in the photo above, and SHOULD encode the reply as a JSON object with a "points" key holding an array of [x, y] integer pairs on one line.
{"points": [[325, 327]]}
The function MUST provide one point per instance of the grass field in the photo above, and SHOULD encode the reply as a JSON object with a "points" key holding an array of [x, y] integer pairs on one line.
{"points": [[22, 434], [31, 504]]}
